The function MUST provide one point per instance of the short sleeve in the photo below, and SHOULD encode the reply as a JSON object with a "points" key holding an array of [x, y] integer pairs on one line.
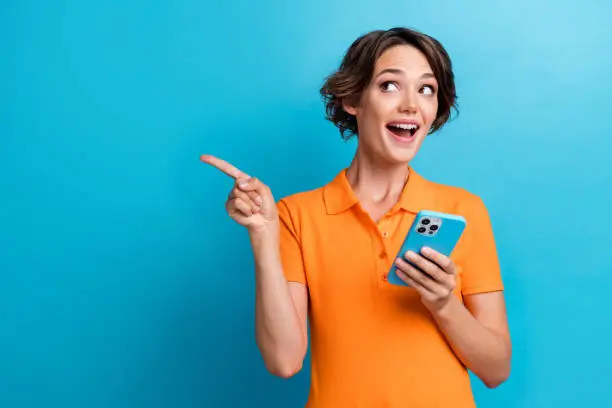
{"points": [[290, 245], [481, 268]]}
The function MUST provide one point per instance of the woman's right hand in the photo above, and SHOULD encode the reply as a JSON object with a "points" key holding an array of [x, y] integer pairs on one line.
{"points": [[250, 202]]}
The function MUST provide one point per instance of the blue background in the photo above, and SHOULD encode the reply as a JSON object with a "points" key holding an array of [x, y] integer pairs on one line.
{"points": [[122, 281]]}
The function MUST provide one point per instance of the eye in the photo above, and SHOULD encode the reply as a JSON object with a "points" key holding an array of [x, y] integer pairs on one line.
{"points": [[389, 86], [428, 90]]}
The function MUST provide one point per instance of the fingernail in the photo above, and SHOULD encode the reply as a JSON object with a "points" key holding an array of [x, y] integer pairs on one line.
{"points": [[243, 183], [259, 200]]}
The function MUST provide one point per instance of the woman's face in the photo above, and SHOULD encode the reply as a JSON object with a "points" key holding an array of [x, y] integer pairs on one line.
{"points": [[398, 107]]}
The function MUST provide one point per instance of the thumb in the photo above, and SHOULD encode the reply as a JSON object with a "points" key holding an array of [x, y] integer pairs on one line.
{"points": [[255, 185], [252, 184]]}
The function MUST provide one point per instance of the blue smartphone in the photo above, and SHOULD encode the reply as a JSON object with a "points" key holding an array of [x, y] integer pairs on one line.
{"points": [[439, 231]]}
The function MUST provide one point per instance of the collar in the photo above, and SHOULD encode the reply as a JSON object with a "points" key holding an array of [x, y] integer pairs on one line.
{"points": [[416, 196]]}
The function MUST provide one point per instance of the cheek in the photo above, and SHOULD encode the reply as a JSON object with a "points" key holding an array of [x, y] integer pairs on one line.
{"points": [[373, 111], [430, 109]]}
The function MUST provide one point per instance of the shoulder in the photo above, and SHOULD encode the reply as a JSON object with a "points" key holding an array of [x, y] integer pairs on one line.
{"points": [[456, 198], [471, 206], [302, 200], [299, 207]]}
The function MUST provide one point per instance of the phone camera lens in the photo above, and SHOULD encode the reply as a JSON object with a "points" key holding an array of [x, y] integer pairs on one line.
{"points": [[433, 227], [425, 221], [421, 229]]}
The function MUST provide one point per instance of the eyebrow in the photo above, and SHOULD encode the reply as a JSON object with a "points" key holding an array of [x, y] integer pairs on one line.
{"points": [[399, 71]]}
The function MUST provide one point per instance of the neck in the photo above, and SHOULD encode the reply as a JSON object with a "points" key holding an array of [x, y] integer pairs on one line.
{"points": [[373, 181]]}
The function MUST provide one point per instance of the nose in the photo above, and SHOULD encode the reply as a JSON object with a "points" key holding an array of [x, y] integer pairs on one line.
{"points": [[409, 103]]}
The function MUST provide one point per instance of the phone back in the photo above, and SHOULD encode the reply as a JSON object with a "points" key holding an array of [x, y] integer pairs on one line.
{"points": [[439, 231]]}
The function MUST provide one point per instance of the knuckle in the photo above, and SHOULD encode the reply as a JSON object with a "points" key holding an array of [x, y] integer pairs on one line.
{"points": [[447, 288]]}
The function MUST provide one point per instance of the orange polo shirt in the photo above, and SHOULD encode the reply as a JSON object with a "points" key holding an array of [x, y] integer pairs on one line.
{"points": [[374, 344]]}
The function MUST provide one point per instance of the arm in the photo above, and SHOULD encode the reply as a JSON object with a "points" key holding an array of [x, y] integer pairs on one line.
{"points": [[478, 334], [280, 307], [476, 330]]}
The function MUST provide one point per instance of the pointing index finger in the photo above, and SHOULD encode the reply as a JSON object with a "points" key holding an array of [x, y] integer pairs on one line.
{"points": [[223, 166]]}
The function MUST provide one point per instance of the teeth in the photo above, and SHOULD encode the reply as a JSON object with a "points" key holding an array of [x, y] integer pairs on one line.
{"points": [[405, 126]]}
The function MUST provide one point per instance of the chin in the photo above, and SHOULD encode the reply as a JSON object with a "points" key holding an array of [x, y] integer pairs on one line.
{"points": [[405, 158], [392, 149], [403, 154]]}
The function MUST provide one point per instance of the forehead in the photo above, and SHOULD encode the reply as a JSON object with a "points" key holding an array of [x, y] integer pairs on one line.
{"points": [[404, 57]]}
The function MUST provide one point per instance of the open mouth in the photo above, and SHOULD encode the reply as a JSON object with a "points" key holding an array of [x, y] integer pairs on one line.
{"points": [[403, 130]]}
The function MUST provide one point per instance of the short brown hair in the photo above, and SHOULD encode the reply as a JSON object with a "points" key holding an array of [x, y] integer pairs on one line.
{"points": [[357, 67]]}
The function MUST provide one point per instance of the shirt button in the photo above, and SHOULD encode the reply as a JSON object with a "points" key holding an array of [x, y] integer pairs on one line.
{"points": [[385, 234], [384, 277]]}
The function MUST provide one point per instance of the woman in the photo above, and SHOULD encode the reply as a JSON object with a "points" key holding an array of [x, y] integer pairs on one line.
{"points": [[322, 256]]}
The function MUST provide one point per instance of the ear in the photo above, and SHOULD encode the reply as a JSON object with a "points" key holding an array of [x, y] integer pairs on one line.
{"points": [[349, 108]]}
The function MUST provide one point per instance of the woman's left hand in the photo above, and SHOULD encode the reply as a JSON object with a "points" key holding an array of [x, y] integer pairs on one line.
{"points": [[436, 285]]}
